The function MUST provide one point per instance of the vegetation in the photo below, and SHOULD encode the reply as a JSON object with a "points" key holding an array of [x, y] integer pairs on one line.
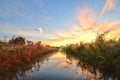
{"points": [[102, 55], [12, 60], [17, 40]]}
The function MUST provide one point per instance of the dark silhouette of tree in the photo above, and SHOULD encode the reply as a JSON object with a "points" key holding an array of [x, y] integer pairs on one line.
{"points": [[17, 40]]}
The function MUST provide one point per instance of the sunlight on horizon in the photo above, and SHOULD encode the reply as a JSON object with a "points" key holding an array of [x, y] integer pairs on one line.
{"points": [[59, 39], [88, 27], [56, 25]]}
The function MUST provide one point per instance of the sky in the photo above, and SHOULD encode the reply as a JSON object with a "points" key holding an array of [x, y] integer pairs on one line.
{"points": [[59, 22]]}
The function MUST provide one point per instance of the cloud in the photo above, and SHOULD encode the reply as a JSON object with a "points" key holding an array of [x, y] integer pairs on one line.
{"points": [[108, 27], [87, 20], [86, 17], [108, 6], [15, 8], [44, 19], [64, 38], [77, 28], [14, 29], [88, 26], [32, 35], [114, 34], [9, 27], [24, 33], [40, 29], [16, 12]]}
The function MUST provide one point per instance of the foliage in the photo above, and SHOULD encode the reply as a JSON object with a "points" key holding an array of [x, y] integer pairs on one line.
{"points": [[0, 45], [17, 40], [18, 58], [102, 55]]}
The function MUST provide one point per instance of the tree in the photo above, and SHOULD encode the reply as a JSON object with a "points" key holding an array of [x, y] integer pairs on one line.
{"points": [[17, 40]]}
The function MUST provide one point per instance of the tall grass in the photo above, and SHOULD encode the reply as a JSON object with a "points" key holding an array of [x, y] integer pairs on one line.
{"points": [[102, 55], [12, 60]]}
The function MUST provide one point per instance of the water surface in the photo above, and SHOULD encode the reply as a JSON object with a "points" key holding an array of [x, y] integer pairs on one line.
{"points": [[57, 66]]}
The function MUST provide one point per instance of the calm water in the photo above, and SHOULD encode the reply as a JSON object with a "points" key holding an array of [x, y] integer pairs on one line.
{"points": [[57, 66]]}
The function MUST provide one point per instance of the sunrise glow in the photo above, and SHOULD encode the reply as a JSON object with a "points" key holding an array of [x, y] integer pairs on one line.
{"points": [[50, 23], [59, 39]]}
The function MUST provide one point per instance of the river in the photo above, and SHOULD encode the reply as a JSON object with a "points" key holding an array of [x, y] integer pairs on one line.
{"points": [[57, 66]]}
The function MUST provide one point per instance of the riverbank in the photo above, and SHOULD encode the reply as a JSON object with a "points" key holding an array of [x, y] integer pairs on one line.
{"points": [[102, 55], [15, 59]]}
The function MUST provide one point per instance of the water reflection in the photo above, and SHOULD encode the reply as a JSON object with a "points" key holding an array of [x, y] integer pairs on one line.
{"points": [[56, 66]]}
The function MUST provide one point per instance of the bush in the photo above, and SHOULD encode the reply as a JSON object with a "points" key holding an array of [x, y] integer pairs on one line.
{"points": [[101, 55], [17, 40]]}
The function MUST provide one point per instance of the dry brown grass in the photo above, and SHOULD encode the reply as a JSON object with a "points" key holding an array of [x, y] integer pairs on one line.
{"points": [[13, 59]]}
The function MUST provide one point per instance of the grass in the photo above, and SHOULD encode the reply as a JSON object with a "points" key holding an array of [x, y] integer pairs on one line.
{"points": [[16, 59], [102, 55]]}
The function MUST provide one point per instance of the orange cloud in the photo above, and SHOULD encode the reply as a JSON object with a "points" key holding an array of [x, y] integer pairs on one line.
{"points": [[77, 28], [108, 27], [108, 7], [87, 28], [86, 17]]}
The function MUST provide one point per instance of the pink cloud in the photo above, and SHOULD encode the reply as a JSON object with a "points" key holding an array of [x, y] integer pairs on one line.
{"points": [[86, 17], [108, 6]]}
